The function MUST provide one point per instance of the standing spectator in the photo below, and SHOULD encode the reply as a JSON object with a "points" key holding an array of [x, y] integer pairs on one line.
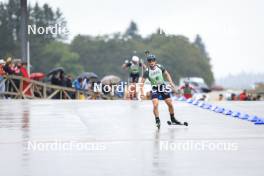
{"points": [[203, 98], [2, 80], [56, 79], [8, 68], [23, 72], [233, 97], [221, 97], [62, 79], [243, 96], [85, 83], [187, 89], [77, 84], [68, 81]]}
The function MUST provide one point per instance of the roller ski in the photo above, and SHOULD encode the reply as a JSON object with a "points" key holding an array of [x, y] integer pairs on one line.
{"points": [[176, 122]]}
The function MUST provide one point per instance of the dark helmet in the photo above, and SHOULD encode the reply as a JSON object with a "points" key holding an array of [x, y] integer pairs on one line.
{"points": [[151, 57]]}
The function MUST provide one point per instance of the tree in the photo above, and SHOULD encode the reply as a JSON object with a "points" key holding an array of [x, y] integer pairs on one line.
{"points": [[176, 53], [40, 16], [58, 54], [132, 30], [199, 43]]}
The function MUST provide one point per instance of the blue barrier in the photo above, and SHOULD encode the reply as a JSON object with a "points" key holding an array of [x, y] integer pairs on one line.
{"points": [[201, 104], [182, 99], [243, 116], [227, 112], [260, 121], [207, 106], [213, 108], [219, 110], [252, 118], [235, 114], [189, 100], [196, 102]]}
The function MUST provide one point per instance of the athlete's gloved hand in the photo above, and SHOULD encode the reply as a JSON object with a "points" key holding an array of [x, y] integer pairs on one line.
{"points": [[126, 61]]}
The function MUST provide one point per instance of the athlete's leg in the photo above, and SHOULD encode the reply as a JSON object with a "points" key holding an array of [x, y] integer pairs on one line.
{"points": [[155, 102], [168, 101]]}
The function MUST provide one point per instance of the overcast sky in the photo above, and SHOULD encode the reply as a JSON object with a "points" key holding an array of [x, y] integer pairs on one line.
{"points": [[231, 29]]}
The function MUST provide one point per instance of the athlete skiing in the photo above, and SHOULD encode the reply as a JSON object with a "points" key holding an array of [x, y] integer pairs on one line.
{"points": [[156, 74], [135, 66]]}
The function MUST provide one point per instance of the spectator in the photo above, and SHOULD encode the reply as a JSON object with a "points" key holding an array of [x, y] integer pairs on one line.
{"points": [[68, 81], [243, 96], [8, 67], [221, 97], [258, 97], [77, 84], [2, 80], [85, 84], [203, 98], [187, 89], [62, 79], [23, 69], [233, 97], [23, 72], [58, 79]]}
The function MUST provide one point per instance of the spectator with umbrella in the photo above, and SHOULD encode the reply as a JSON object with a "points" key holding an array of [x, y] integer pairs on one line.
{"points": [[57, 76], [77, 84]]}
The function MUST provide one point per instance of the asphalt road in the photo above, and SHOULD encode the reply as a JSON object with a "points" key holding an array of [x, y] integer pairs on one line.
{"points": [[65, 138]]}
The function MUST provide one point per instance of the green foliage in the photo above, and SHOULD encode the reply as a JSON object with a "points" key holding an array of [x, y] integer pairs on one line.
{"points": [[58, 54], [10, 22], [105, 56]]}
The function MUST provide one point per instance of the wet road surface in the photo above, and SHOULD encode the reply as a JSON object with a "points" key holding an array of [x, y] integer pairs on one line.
{"points": [[120, 138]]}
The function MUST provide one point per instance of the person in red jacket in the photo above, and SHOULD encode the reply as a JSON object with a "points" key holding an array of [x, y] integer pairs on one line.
{"points": [[243, 96], [187, 90], [24, 74]]}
